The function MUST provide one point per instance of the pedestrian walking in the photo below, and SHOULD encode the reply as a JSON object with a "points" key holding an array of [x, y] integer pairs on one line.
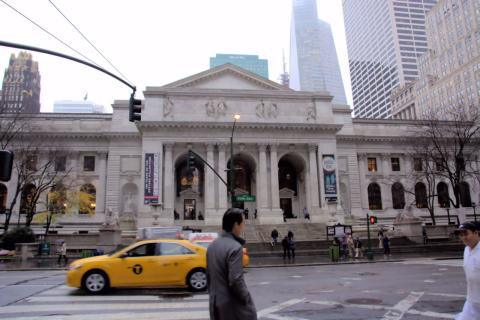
{"points": [[291, 246], [425, 235], [274, 236], [386, 246], [255, 214], [351, 246], [306, 215], [358, 248], [284, 215], [245, 212], [344, 247], [62, 253], [286, 251], [469, 234], [229, 298], [290, 234], [380, 239]]}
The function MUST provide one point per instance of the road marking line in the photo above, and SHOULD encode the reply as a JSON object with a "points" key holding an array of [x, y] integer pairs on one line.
{"points": [[443, 269], [399, 310], [278, 317], [194, 315], [352, 279], [278, 307], [111, 298], [297, 276], [264, 283], [449, 295], [363, 306], [429, 281], [437, 274], [432, 314], [100, 307]]}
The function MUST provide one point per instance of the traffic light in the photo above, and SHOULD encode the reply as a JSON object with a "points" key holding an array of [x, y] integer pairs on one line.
{"points": [[6, 164], [373, 219], [190, 161], [134, 109]]}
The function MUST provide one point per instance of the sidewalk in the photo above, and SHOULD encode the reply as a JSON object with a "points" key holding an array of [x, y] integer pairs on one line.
{"points": [[50, 262]]}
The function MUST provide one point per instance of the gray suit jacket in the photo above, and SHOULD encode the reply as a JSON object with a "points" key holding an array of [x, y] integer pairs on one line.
{"points": [[229, 296]]}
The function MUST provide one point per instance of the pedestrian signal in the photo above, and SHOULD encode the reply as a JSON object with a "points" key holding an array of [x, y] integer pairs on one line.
{"points": [[373, 219]]}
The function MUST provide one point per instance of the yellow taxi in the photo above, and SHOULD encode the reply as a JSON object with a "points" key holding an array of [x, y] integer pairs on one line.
{"points": [[148, 263], [205, 238]]}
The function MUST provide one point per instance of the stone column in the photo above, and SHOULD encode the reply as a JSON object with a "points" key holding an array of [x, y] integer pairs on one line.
{"points": [[314, 196], [209, 181], [102, 183], [262, 184], [168, 181], [362, 159], [274, 177], [222, 188]]}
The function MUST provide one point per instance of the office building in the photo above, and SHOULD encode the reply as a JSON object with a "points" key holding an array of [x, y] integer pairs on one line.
{"points": [[245, 61], [69, 106], [384, 41], [21, 85], [313, 58]]}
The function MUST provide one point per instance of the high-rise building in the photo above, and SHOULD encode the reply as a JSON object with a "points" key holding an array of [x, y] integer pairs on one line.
{"points": [[21, 85], [245, 61], [313, 57], [384, 40], [69, 106], [450, 69]]}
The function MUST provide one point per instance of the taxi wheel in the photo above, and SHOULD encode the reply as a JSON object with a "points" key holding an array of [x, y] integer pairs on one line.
{"points": [[95, 281], [197, 280]]}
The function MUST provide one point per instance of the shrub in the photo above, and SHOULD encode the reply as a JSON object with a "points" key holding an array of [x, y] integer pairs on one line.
{"points": [[17, 235]]}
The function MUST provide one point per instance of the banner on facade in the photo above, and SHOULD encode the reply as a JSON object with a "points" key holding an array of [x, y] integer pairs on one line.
{"points": [[329, 175], [152, 183]]}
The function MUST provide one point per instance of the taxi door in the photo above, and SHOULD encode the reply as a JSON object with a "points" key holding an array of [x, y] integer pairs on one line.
{"points": [[136, 267], [176, 261]]}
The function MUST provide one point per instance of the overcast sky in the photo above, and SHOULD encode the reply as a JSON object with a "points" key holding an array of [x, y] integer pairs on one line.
{"points": [[152, 42]]}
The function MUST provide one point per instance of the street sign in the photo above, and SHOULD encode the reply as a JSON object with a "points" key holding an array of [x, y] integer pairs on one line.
{"points": [[244, 198]]}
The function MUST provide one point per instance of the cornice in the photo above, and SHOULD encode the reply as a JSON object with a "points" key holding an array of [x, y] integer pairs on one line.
{"points": [[333, 128], [82, 135], [357, 138]]}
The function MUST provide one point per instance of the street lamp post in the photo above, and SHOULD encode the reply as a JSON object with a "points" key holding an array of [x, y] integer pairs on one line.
{"points": [[474, 213], [232, 163]]}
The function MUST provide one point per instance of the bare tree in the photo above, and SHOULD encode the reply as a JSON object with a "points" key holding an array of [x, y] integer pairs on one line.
{"points": [[451, 137]]}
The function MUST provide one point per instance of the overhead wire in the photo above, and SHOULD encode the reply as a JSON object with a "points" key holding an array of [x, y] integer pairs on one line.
{"points": [[58, 39], [86, 39]]}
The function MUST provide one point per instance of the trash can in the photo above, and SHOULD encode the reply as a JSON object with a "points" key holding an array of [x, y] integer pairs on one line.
{"points": [[44, 249], [334, 253]]}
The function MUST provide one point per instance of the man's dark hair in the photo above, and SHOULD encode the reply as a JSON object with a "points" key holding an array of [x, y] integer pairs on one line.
{"points": [[231, 216]]}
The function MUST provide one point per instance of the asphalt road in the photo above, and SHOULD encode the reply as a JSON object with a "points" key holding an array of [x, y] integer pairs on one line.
{"points": [[413, 289]]}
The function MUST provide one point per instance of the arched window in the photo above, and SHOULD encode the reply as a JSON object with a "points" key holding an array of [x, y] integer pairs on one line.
{"points": [[398, 196], [374, 197], [442, 193], [465, 199], [3, 198], [57, 199], [27, 200], [87, 199], [421, 195], [287, 176]]}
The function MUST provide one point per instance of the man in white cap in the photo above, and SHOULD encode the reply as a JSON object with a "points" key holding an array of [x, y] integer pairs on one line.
{"points": [[469, 234]]}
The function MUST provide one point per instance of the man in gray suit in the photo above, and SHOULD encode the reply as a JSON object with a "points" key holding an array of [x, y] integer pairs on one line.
{"points": [[229, 296]]}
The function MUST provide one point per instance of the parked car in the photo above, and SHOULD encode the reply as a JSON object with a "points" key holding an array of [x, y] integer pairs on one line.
{"points": [[148, 263]]}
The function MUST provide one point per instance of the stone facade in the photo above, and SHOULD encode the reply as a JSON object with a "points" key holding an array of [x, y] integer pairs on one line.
{"points": [[284, 144]]}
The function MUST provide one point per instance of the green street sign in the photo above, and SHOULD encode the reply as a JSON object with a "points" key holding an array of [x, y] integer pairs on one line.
{"points": [[244, 198]]}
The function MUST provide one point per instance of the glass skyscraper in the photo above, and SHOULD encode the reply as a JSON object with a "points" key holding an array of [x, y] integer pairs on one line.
{"points": [[313, 57], [246, 61], [384, 40]]}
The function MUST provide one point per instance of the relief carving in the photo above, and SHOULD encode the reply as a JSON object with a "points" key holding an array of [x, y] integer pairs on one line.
{"points": [[216, 109], [311, 112], [167, 107], [266, 110]]}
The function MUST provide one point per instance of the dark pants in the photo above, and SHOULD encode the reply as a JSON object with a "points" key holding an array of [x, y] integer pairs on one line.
{"points": [[293, 252], [286, 252], [65, 259], [386, 249]]}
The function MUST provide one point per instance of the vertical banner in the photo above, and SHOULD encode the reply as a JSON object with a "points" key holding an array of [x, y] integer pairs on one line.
{"points": [[329, 175], [152, 183]]}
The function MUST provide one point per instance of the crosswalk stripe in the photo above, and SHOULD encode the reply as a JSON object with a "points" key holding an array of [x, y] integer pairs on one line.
{"points": [[112, 298], [100, 307], [197, 315]]}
